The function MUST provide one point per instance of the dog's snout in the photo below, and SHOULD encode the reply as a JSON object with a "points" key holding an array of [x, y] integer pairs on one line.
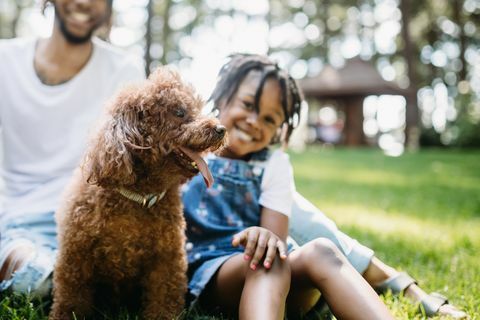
{"points": [[220, 130]]}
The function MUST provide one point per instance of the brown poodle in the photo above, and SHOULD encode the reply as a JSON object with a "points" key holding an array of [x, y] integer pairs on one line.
{"points": [[121, 227]]}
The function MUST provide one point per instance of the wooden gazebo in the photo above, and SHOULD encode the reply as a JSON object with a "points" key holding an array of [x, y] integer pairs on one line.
{"points": [[349, 86]]}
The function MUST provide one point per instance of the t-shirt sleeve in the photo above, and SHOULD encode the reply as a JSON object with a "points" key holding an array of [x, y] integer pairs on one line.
{"points": [[277, 185]]}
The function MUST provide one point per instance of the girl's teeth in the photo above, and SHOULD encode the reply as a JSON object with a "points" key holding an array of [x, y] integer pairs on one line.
{"points": [[244, 136]]}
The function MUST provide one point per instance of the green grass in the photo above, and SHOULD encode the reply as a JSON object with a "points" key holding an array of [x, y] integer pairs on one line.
{"points": [[419, 212]]}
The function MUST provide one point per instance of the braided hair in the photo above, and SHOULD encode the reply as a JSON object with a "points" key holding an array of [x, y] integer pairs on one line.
{"points": [[234, 72]]}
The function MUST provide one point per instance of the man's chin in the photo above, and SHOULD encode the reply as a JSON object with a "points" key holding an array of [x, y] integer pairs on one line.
{"points": [[71, 37], [78, 40], [75, 39]]}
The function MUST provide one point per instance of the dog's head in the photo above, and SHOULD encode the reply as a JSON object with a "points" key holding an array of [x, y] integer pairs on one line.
{"points": [[153, 127]]}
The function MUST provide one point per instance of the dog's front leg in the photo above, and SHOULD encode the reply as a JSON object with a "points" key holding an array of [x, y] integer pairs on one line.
{"points": [[165, 288], [72, 283]]}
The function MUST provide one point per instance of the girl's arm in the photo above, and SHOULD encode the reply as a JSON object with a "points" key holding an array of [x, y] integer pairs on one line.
{"points": [[275, 222], [277, 187]]}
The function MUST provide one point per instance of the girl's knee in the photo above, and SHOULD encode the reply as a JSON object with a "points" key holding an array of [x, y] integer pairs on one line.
{"points": [[282, 268], [325, 251], [279, 273]]}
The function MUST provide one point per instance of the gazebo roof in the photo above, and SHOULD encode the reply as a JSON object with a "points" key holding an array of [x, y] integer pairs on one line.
{"points": [[355, 78]]}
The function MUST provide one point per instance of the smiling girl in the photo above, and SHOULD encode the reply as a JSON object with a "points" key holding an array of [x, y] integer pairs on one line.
{"points": [[247, 210]]}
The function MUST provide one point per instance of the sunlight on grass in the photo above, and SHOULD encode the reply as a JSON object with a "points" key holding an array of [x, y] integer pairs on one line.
{"points": [[441, 233]]}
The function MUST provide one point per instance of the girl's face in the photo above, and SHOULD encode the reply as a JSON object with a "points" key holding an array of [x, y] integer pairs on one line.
{"points": [[249, 131]]}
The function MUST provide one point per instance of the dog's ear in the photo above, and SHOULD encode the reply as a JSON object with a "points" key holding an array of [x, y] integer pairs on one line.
{"points": [[109, 162]]}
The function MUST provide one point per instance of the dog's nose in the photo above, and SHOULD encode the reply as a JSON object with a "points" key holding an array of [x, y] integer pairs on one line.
{"points": [[220, 130]]}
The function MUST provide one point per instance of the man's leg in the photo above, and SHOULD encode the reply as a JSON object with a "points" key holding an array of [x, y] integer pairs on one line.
{"points": [[308, 222], [27, 254]]}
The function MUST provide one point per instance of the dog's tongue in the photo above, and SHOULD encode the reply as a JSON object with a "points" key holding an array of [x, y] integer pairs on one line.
{"points": [[201, 164]]}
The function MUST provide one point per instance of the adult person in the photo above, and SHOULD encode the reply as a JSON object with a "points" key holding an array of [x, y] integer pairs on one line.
{"points": [[52, 90]]}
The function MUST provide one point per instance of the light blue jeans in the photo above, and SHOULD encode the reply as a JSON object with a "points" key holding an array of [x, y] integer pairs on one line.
{"points": [[308, 222], [37, 231]]}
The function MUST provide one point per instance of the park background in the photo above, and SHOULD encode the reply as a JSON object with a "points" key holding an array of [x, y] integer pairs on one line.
{"points": [[388, 145]]}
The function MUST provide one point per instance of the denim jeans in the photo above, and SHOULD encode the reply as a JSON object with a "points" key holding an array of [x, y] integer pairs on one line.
{"points": [[308, 222], [37, 231]]}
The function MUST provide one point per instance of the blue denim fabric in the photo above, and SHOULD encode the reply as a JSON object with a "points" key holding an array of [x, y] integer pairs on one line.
{"points": [[37, 231], [214, 215]]}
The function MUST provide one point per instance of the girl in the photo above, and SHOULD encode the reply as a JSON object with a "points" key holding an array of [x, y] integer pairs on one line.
{"points": [[248, 206]]}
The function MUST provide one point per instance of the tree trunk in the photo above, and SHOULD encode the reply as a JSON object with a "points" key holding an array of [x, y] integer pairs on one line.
{"points": [[353, 130], [148, 37], [458, 19], [166, 31], [412, 129]]}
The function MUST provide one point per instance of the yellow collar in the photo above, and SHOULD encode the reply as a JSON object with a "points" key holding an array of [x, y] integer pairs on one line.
{"points": [[146, 201]]}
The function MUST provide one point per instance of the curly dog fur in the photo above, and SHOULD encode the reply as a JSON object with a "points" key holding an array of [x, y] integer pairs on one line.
{"points": [[111, 246]]}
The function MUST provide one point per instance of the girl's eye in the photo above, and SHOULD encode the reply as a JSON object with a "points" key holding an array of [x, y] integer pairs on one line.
{"points": [[248, 105], [180, 113], [270, 120]]}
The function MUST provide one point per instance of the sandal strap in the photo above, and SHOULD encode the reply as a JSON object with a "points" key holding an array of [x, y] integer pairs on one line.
{"points": [[396, 284], [432, 302]]}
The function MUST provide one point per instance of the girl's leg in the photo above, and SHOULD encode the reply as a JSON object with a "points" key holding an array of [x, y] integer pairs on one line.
{"points": [[261, 294], [319, 264]]}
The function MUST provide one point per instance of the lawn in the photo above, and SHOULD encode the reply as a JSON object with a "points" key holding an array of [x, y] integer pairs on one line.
{"points": [[420, 213]]}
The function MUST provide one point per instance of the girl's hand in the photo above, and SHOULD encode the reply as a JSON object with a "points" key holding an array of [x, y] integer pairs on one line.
{"points": [[260, 242]]}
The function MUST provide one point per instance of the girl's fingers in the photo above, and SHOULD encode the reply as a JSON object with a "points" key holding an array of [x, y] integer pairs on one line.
{"points": [[240, 238], [271, 252], [282, 249], [251, 243], [261, 245]]}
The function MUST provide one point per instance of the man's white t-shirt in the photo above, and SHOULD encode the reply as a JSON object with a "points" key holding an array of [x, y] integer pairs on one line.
{"points": [[45, 128]]}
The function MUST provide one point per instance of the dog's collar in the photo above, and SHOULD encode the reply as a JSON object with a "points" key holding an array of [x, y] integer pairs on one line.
{"points": [[147, 201]]}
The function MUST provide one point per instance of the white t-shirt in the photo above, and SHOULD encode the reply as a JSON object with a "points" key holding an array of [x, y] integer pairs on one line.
{"points": [[277, 186], [45, 128]]}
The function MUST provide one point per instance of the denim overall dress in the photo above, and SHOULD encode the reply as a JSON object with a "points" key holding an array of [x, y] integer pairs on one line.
{"points": [[215, 214]]}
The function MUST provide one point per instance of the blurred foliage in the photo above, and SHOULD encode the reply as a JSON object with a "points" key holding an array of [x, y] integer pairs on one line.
{"points": [[443, 34]]}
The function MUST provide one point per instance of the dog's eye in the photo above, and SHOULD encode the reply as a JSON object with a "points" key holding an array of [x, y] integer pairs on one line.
{"points": [[180, 113]]}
